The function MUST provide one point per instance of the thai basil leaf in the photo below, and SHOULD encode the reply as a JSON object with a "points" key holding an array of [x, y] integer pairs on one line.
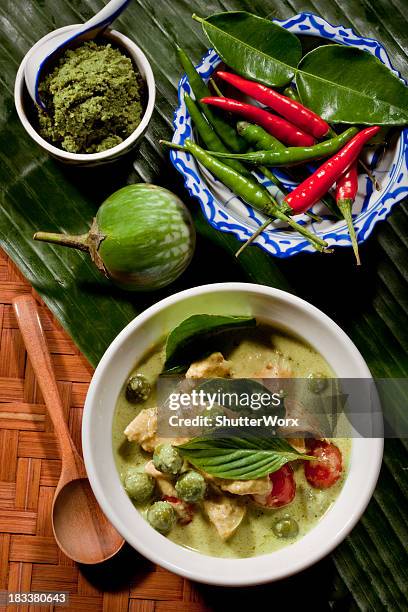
{"points": [[255, 48], [239, 458], [187, 341], [347, 85]]}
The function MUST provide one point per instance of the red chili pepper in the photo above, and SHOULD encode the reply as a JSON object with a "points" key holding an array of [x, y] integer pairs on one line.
{"points": [[318, 184], [346, 191], [292, 110], [280, 128], [347, 185]]}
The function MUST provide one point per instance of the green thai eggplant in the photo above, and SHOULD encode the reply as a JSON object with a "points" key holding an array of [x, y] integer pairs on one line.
{"points": [[142, 237]]}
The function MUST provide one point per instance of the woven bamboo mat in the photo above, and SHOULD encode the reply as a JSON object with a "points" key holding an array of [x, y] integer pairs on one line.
{"points": [[29, 470]]}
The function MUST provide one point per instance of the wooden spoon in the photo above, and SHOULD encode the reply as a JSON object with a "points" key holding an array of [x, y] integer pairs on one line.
{"points": [[80, 528]]}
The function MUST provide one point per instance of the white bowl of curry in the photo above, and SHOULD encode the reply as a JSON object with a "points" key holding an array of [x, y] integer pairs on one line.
{"points": [[205, 550]]}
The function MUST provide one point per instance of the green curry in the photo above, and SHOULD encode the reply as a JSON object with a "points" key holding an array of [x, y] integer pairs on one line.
{"points": [[260, 352]]}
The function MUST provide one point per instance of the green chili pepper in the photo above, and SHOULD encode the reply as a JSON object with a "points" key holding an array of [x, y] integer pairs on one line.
{"points": [[210, 137], [200, 90], [246, 188], [294, 155], [213, 142], [259, 138]]}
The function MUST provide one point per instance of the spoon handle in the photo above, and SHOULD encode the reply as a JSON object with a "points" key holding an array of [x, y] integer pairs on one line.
{"points": [[29, 323], [105, 16]]}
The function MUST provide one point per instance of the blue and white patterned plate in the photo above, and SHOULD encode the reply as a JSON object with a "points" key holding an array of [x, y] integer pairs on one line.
{"points": [[227, 213]]}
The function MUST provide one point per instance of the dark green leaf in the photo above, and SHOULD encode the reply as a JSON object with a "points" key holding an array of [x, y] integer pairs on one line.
{"points": [[255, 48], [239, 458], [342, 84], [186, 340], [347, 85]]}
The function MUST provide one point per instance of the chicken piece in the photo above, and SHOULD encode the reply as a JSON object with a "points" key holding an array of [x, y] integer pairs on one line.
{"points": [[240, 487], [213, 366], [164, 483], [143, 429], [246, 487], [225, 513]]}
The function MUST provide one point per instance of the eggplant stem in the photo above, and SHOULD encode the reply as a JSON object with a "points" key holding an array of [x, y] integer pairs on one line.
{"points": [[74, 242]]}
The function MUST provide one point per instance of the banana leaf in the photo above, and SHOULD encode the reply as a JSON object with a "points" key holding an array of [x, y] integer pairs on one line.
{"points": [[367, 571]]}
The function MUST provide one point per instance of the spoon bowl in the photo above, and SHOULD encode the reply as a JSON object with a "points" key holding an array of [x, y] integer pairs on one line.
{"points": [[80, 528]]}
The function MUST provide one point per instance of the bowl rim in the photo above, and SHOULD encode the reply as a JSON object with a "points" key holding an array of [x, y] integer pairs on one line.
{"points": [[144, 66], [227, 571]]}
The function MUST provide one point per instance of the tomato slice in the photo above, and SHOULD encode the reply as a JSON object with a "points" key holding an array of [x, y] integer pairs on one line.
{"points": [[326, 470], [283, 489]]}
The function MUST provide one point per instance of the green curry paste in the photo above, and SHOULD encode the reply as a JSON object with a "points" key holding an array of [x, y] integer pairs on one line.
{"points": [[93, 99]]}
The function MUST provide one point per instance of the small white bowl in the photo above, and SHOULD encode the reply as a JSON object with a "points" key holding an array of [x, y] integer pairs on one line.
{"points": [[268, 304], [23, 101]]}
